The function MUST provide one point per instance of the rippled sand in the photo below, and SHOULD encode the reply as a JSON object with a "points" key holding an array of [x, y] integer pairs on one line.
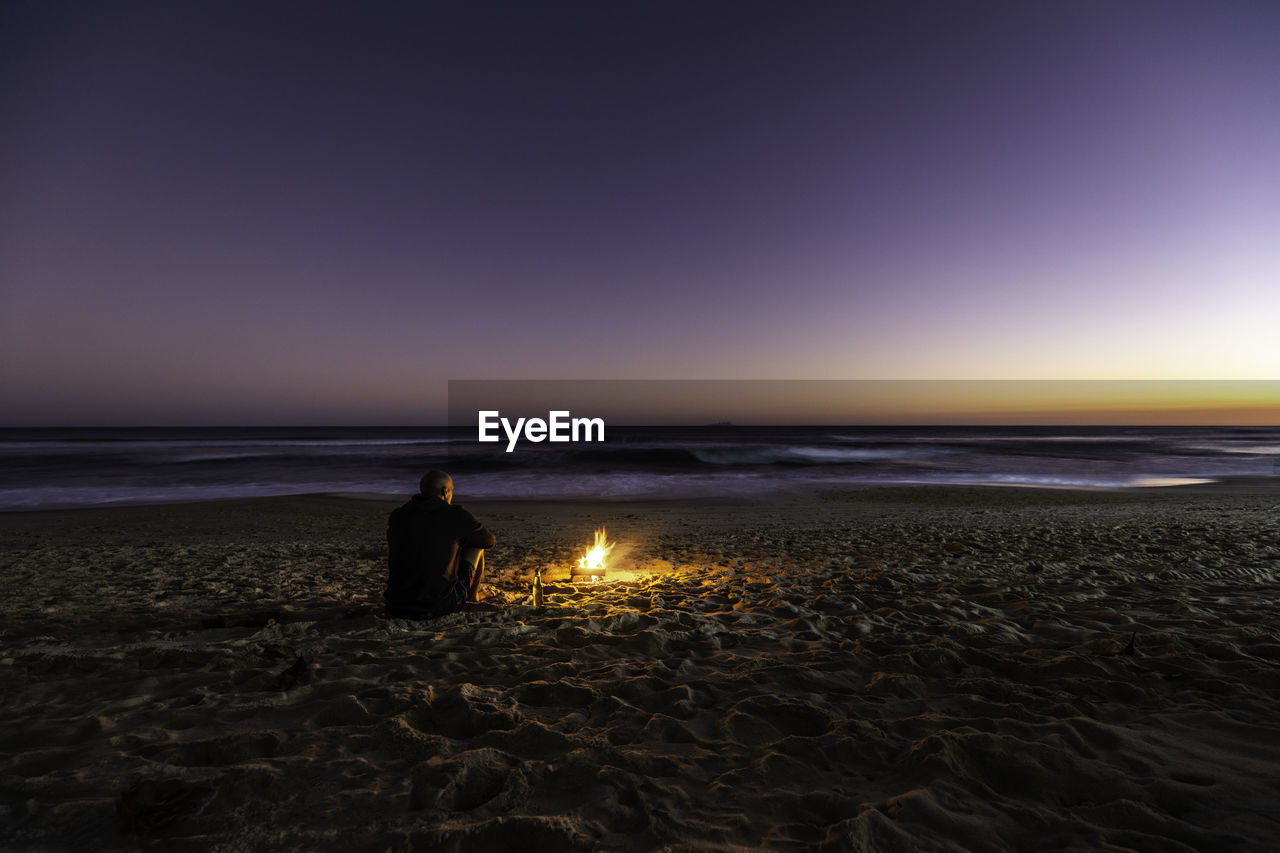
{"points": [[889, 669]]}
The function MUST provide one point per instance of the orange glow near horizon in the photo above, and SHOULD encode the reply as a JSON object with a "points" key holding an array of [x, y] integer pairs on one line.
{"points": [[884, 402]]}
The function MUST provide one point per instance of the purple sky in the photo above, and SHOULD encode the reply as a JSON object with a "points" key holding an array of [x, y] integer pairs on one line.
{"points": [[268, 213]]}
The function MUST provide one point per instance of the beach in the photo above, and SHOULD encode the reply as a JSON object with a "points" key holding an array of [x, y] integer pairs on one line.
{"points": [[867, 669]]}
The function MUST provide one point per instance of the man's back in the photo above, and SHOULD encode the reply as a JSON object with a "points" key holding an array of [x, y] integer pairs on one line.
{"points": [[423, 538]]}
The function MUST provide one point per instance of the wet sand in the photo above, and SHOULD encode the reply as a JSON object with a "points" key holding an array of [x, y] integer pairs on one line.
{"points": [[880, 670]]}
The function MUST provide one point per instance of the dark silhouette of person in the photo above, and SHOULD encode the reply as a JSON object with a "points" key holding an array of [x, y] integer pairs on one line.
{"points": [[435, 553]]}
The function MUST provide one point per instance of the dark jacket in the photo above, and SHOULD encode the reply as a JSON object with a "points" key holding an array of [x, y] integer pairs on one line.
{"points": [[423, 538]]}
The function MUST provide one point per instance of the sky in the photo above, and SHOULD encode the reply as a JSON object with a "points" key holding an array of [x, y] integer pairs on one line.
{"points": [[322, 212]]}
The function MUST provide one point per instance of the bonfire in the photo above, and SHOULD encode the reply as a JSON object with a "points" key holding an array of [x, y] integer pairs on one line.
{"points": [[592, 564]]}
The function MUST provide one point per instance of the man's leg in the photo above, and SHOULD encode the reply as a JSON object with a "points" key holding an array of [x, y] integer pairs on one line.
{"points": [[472, 561]]}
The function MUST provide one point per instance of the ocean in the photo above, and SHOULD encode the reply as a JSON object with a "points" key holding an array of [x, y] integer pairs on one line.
{"points": [[49, 468]]}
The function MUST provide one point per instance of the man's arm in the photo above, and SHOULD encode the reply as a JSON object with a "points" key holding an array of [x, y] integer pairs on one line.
{"points": [[474, 534]]}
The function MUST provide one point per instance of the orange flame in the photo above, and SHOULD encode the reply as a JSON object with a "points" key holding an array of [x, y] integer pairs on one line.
{"points": [[595, 557]]}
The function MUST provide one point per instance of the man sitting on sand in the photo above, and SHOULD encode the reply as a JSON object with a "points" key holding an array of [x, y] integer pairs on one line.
{"points": [[436, 554]]}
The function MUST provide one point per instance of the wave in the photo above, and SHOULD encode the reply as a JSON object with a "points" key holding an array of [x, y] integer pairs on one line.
{"points": [[795, 455], [1239, 449], [54, 497], [680, 458], [47, 469], [632, 455], [126, 445]]}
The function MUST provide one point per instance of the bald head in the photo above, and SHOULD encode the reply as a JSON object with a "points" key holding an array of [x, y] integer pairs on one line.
{"points": [[437, 484]]}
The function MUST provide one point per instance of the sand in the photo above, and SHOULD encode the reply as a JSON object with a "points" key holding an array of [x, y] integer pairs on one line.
{"points": [[881, 670]]}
